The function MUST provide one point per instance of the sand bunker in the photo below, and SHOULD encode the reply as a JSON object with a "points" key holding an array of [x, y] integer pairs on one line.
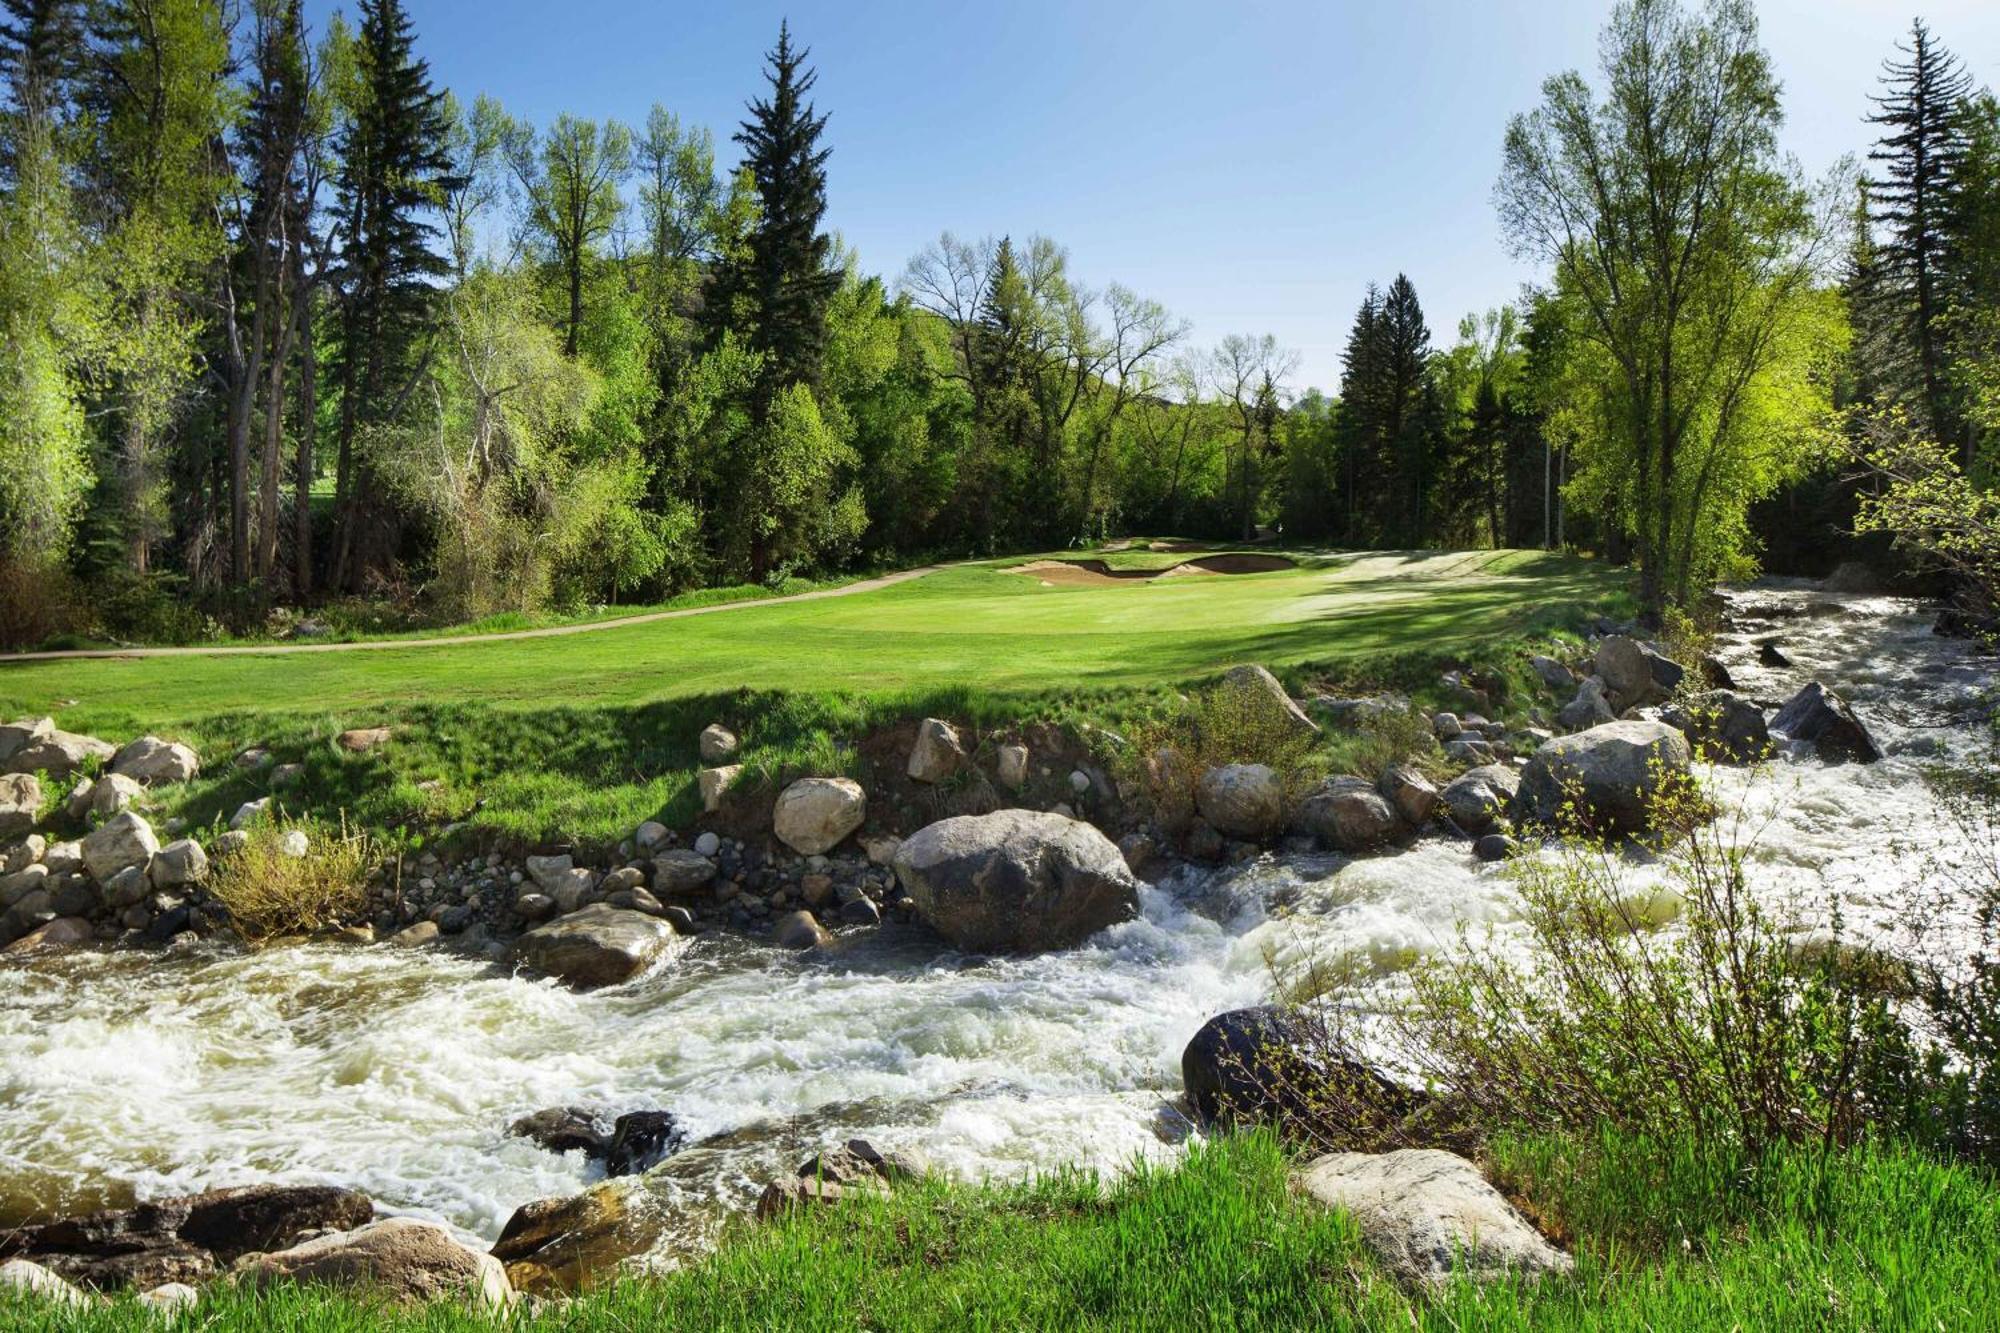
{"points": [[1098, 574]]}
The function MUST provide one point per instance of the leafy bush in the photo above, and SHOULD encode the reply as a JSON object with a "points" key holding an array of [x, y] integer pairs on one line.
{"points": [[269, 893], [1224, 724]]}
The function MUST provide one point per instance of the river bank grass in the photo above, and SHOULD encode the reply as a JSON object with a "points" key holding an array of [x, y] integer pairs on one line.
{"points": [[1667, 1237], [582, 737]]}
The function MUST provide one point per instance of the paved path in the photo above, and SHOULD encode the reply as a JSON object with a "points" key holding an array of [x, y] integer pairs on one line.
{"points": [[453, 641]]}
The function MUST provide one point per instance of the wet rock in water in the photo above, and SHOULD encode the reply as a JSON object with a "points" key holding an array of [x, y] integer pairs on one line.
{"points": [[1016, 881], [1347, 814], [399, 1257], [1716, 674], [65, 932], [1605, 779], [565, 1129], [535, 906], [1493, 847], [597, 946], [1477, 797], [799, 930], [416, 936], [1634, 673], [814, 815], [1267, 1065], [1588, 709], [718, 744], [1259, 693], [1721, 726], [153, 761], [124, 840], [231, 1223], [1414, 795], [20, 803], [569, 1244], [1771, 655], [937, 753], [1429, 1216], [681, 870], [640, 1141], [1242, 800], [1818, 715], [860, 912]]}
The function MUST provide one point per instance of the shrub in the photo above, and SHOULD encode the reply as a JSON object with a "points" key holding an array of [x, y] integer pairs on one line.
{"points": [[269, 893], [38, 603], [1224, 724]]}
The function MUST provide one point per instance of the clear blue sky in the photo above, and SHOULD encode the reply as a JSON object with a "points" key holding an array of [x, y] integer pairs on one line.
{"points": [[1251, 165]]}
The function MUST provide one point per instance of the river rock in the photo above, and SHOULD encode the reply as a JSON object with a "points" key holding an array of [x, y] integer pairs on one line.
{"points": [[113, 793], [1493, 847], [152, 761], [128, 887], [1634, 673], [715, 783], [360, 740], [26, 880], [1241, 800], [417, 936], [1267, 1064], [121, 841], [1606, 778], [1016, 881], [1413, 794], [1553, 674], [27, 1278], [718, 744], [651, 836], [814, 815], [640, 1141], [248, 813], [1259, 692], [1479, 796], [59, 754], [1429, 1216], [27, 852], [168, 1301], [856, 1167], [568, 1244], [1011, 766], [799, 930], [597, 946], [708, 843], [20, 803], [937, 753], [1818, 715], [410, 1261], [1347, 814], [1588, 709], [565, 1129], [18, 735], [548, 871], [1722, 725], [65, 932], [680, 870]]}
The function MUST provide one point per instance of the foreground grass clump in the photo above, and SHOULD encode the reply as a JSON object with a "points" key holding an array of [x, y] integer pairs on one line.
{"points": [[271, 892], [1668, 1236]]}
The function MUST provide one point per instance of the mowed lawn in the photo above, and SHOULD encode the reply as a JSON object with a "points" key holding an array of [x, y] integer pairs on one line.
{"points": [[977, 627]]}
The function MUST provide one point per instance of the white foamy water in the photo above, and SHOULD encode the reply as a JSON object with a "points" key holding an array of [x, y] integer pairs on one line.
{"points": [[135, 1075]]}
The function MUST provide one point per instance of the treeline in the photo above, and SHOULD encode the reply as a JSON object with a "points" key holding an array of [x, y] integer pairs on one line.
{"points": [[285, 323]]}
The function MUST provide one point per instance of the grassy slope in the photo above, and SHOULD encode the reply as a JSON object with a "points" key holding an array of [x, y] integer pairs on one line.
{"points": [[1877, 1240], [586, 734]]}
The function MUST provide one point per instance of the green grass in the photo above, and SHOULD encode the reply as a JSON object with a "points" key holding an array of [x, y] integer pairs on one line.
{"points": [[1874, 1238], [585, 735]]}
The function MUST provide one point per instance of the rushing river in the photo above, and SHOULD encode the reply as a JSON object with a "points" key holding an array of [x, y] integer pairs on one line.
{"points": [[135, 1075]]}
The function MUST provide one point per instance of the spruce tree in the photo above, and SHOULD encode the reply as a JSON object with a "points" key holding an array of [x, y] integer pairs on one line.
{"points": [[395, 166], [1358, 422], [41, 50], [779, 290], [1911, 201]]}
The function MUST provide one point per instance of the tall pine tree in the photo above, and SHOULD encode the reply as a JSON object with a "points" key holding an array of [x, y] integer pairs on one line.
{"points": [[395, 167]]}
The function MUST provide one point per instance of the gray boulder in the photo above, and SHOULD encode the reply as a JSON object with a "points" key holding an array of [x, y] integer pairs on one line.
{"points": [[1635, 673], [799, 930], [597, 946], [1818, 715], [1263, 697], [718, 744], [1241, 800], [814, 815], [937, 753], [56, 753], [28, 851], [178, 863], [1011, 765], [1721, 725], [151, 761], [402, 1258], [20, 803], [115, 792], [1016, 881], [122, 841], [1604, 779], [1554, 674], [1413, 794], [680, 870], [1588, 709], [1347, 814], [1479, 796], [1429, 1216]]}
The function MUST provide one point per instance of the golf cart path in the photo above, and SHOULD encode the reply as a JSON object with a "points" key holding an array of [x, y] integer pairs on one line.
{"points": [[455, 640]]}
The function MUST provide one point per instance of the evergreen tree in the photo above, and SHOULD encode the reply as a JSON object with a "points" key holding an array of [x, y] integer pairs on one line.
{"points": [[395, 168], [41, 52], [1358, 427], [779, 290], [1911, 202]]}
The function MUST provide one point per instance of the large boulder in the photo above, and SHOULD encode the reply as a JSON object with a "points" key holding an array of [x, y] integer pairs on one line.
{"points": [[937, 753], [18, 735], [1479, 796], [151, 761], [1818, 715], [1016, 881], [568, 1244], [1414, 795], [1605, 780], [1721, 725], [565, 1129], [409, 1261], [1270, 1065], [814, 815], [1635, 673], [1554, 675], [1258, 692], [113, 793], [178, 863], [20, 803], [56, 753], [1241, 800], [597, 946], [124, 840], [1347, 814], [1429, 1216]]}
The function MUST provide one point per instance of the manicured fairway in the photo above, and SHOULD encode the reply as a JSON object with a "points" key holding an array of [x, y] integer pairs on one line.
{"points": [[975, 627]]}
